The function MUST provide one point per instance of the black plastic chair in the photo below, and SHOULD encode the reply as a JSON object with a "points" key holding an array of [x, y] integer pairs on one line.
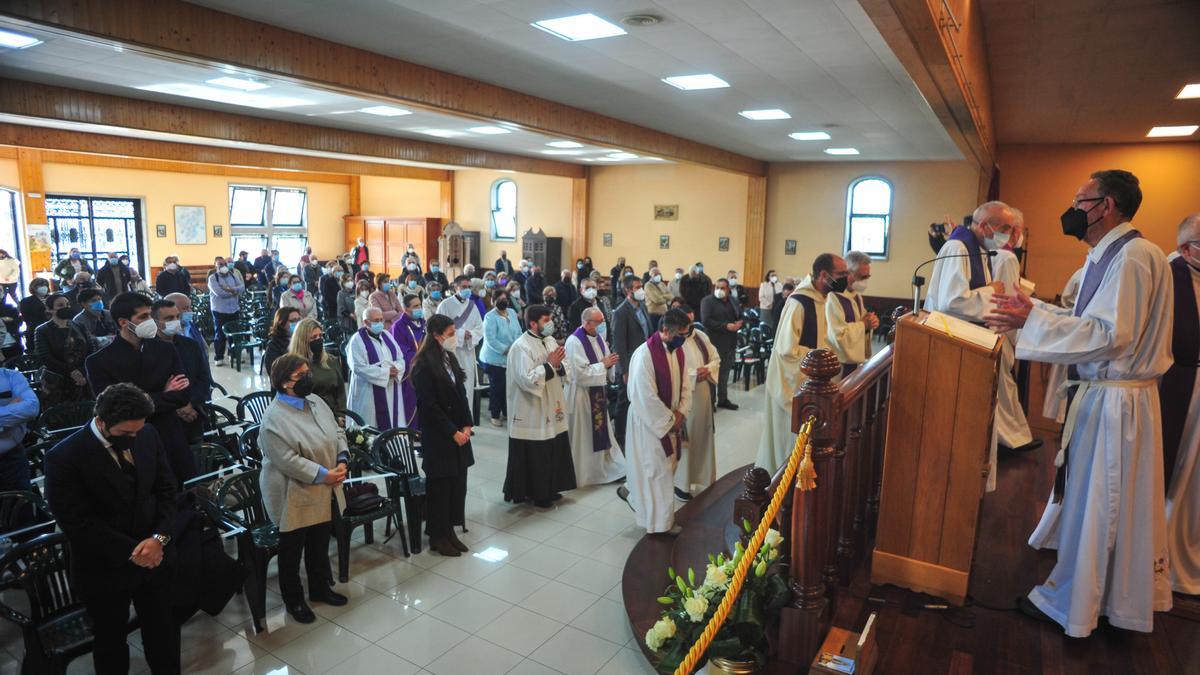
{"points": [[248, 442], [28, 365], [239, 502], [210, 457], [345, 524], [255, 405], [20, 509], [392, 452], [241, 339], [56, 627], [57, 422]]}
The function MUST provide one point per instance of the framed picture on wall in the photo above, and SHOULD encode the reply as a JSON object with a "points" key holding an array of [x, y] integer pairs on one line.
{"points": [[789, 247], [218, 231], [189, 225], [666, 212], [608, 239], [664, 241], [722, 243], [160, 230]]}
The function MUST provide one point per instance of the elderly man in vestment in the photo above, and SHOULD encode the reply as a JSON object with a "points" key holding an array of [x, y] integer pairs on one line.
{"points": [[698, 462], [539, 450], [850, 324], [376, 370], [589, 365], [1012, 428], [801, 328], [660, 394], [1180, 392], [1106, 515], [466, 308]]}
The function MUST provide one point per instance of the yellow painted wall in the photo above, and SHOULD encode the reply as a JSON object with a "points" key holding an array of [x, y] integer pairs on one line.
{"points": [[1041, 180], [712, 204], [806, 201], [542, 202], [408, 197], [160, 191], [8, 174]]}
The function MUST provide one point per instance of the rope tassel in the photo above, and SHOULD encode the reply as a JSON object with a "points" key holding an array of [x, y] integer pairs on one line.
{"points": [[806, 474]]}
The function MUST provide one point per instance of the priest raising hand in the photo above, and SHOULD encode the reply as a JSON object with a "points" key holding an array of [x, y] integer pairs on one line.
{"points": [[1010, 312]]}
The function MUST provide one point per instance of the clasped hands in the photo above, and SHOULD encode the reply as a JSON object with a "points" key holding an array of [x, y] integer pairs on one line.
{"points": [[1009, 311]]}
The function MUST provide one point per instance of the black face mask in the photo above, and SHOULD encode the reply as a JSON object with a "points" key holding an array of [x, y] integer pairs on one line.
{"points": [[1075, 221], [502, 305], [63, 313], [121, 443], [303, 386], [839, 285], [316, 346]]}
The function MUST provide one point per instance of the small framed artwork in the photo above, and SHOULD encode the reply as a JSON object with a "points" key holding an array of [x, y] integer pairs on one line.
{"points": [[722, 243], [218, 231], [160, 230], [608, 239], [789, 247], [666, 212], [664, 241]]}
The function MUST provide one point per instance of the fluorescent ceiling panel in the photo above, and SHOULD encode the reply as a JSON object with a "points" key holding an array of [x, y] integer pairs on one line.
{"points": [[623, 155], [810, 136], [695, 82], [238, 83], [490, 131], [11, 40], [1164, 132], [243, 98], [1189, 91], [769, 114], [579, 27], [841, 151], [564, 144], [443, 133], [385, 111]]}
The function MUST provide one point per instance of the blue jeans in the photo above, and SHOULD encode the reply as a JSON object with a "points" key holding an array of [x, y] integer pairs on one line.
{"points": [[14, 475], [497, 392], [219, 321]]}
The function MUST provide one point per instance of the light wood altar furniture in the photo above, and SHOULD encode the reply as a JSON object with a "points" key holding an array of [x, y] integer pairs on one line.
{"points": [[388, 237]]}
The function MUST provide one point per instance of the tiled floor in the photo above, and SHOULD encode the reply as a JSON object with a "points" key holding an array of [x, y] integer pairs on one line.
{"points": [[539, 593]]}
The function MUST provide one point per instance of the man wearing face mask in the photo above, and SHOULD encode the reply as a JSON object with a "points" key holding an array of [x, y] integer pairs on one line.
{"points": [[466, 309], [1012, 428], [801, 329], [850, 324], [376, 369], [69, 266], [435, 275], [225, 288], [154, 366], [173, 278], [698, 462], [535, 284], [631, 327], [661, 393], [503, 264], [195, 367], [564, 292], [94, 320], [616, 274], [590, 369], [1106, 515], [80, 282], [722, 318], [586, 299], [114, 276], [539, 450], [696, 286]]}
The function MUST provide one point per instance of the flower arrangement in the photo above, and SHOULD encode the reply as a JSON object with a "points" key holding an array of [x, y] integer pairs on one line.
{"points": [[358, 442], [689, 607]]}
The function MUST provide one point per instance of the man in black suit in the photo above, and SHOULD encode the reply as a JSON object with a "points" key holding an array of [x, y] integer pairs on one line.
{"points": [[503, 264], [565, 292], [631, 328], [195, 367], [721, 315], [111, 489]]}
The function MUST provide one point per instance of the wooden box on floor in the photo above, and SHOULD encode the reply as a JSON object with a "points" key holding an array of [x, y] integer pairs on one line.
{"points": [[935, 460]]}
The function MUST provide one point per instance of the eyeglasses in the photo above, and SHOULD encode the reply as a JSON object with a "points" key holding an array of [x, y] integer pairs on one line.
{"points": [[1077, 202]]}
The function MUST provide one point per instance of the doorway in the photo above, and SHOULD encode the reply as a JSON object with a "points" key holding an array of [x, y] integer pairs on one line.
{"points": [[96, 226]]}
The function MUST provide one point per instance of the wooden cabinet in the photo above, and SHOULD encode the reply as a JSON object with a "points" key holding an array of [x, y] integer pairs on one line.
{"points": [[388, 238]]}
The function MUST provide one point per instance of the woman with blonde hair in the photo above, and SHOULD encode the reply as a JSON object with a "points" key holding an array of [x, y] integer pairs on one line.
{"points": [[385, 299], [308, 341]]}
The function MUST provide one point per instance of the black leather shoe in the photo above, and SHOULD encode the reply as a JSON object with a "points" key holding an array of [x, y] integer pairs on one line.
{"points": [[1026, 607], [329, 597], [623, 493], [685, 496], [300, 611], [728, 405], [1030, 446]]}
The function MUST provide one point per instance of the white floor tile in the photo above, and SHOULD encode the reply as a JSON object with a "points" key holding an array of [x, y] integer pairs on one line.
{"points": [[470, 567], [376, 617], [280, 629], [605, 619], [474, 655], [507, 544], [426, 591], [606, 522], [374, 659], [627, 662], [537, 527], [531, 667], [575, 652], [267, 665], [577, 540], [511, 583], [546, 561], [520, 630], [470, 610], [422, 640], [559, 601], [321, 649], [356, 593], [592, 576]]}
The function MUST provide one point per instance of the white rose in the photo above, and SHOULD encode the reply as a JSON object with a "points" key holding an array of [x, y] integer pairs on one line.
{"points": [[716, 577], [659, 633], [773, 539], [695, 607]]}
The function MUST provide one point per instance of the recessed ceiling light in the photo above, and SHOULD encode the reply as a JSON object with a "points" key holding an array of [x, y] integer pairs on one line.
{"points": [[564, 144], [562, 152], [771, 114], [1189, 91], [693, 82], [623, 155], [579, 27], [841, 151], [226, 96], [654, 159], [11, 40], [1162, 132], [238, 83], [607, 159], [443, 133], [810, 136], [385, 111], [588, 159], [490, 131]]}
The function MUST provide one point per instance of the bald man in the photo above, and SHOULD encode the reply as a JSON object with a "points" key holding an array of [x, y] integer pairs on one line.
{"points": [[589, 366], [1012, 428]]}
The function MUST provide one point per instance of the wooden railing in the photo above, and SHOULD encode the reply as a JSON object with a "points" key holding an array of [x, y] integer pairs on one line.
{"points": [[829, 528]]}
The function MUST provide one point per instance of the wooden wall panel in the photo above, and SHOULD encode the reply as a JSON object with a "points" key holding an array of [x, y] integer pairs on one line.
{"points": [[579, 221], [355, 196], [756, 232], [33, 202], [181, 28], [448, 199]]}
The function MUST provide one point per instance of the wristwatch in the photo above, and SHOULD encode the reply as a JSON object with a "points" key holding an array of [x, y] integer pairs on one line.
{"points": [[162, 539]]}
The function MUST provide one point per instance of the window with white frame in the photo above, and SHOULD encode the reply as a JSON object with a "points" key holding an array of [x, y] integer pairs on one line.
{"points": [[504, 210], [268, 217], [869, 216]]}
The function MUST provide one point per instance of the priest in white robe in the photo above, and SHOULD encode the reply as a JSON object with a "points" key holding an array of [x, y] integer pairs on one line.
{"points": [[1106, 515], [589, 364], [1054, 405], [1180, 392], [698, 462], [801, 329], [1012, 428], [660, 394], [539, 450], [376, 371], [849, 323], [466, 309]]}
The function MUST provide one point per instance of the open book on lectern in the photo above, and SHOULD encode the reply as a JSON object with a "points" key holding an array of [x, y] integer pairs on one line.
{"points": [[963, 330]]}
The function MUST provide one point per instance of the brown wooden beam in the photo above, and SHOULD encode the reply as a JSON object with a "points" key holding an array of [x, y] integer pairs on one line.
{"points": [[580, 196], [355, 196], [218, 38], [33, 194], [29, 99], [756, 230]]}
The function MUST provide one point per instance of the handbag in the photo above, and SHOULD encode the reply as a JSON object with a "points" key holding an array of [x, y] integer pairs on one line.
{"points": [[362, 498]]}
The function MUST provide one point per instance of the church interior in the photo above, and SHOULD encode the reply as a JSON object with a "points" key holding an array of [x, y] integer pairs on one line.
{"points": [[889, 529]]}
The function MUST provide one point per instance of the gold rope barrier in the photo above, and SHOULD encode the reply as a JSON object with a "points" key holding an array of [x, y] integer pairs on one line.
{"points": [[800, 461]]}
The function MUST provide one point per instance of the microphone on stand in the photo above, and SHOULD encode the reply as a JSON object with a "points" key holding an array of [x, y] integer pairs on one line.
{"points": [[919, 281]]}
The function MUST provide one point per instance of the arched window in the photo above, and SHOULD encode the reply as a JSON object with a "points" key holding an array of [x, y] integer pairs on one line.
{"points": [[869, 216], [504, 210]]}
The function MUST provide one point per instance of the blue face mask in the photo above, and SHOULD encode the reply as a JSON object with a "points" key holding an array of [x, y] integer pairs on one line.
{"points": [[387, 287], [97, 306], [489, 283], [412, 284], [602, 330], [275, 258], [675, 342], [297, 287], [436, 295], [464, 293], [291, 328], [377, 327], [418, 313], [434, 268], [186, 317]]}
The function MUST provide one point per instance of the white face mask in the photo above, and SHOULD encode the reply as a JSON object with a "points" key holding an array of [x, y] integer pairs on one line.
{"points": [[548, 329], [657, 279], [720, 293], [449, 343], [678, 276], [774, 279], [859, 286], [171, 327], [639, 294], [733, 281], [363, 294], [146, 329], [172, 267], [589, 293], [996, 241]]}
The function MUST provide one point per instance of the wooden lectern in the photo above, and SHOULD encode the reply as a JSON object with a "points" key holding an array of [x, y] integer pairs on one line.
{"points": [[936, 458]]}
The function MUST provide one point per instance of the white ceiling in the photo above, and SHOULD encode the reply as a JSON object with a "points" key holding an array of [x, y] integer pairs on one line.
{"points": [[823, 61]]}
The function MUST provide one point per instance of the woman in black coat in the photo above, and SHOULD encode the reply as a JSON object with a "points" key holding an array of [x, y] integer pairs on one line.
{"points": [[33, 309], [445, 434], [279, 336]]}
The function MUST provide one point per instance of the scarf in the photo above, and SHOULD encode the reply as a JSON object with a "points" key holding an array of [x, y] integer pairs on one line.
{"points": [[597, 399], [461, 319], [968, 239], [1176, 386], [383, 420], [673, 441]]}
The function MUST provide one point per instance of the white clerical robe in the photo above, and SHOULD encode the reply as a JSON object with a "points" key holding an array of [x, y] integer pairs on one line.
{"points": [[1183, 494], [365, 376], [1012, 428], [1110, 528], [467, 337], [784, 376], [591, 467], [1055, 405], [851, 340], [651, 472], [536, 409], [698, 463]]}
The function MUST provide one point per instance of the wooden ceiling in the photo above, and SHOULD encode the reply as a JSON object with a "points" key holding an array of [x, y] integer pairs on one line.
{"points": [[1091, 71]]}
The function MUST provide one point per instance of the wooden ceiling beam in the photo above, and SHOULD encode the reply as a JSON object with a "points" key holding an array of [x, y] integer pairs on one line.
{"points": [[217, 38]]}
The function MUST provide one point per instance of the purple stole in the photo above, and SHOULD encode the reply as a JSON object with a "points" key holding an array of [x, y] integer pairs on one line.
{"points": [[461, 319], [808, 332], [1175, 388], [673, 441], [383, 418], [597, 400], [968, 239], [850, 309], [408, 335]]}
